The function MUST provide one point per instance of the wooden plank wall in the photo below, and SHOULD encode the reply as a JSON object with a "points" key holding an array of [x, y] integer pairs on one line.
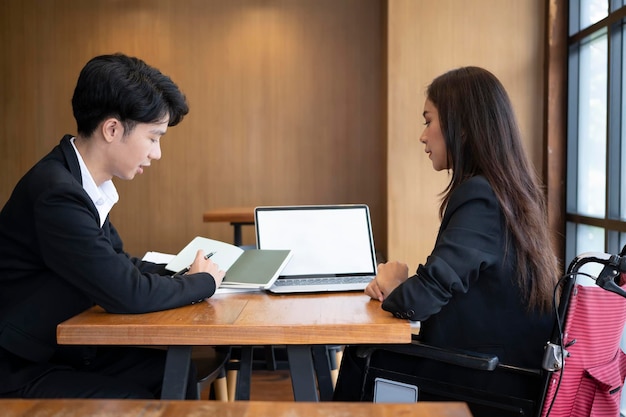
{"points": [[286, 103]]}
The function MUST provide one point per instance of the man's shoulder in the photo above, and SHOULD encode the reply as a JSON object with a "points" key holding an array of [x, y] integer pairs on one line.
{"points": [[49, 170], [49, 173], [58, 160]]}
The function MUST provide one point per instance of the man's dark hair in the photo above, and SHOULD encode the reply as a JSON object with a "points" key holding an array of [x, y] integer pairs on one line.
{"points": [[125, 88]]}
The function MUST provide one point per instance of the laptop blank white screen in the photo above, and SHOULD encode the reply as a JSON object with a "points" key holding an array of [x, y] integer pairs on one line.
{"points": [[323, 240]]}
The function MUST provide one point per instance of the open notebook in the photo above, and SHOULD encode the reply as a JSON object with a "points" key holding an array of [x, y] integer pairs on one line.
{"points": [[332, 246]]}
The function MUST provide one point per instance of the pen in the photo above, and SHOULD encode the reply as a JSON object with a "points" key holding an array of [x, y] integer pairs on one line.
{"points": [[182, 271]]}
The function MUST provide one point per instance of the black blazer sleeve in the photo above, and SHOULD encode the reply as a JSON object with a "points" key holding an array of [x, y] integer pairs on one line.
{"points": [[470, 240], [90, 258]]}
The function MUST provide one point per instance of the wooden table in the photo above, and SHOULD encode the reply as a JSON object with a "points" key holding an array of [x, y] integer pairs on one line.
{"points": [[148, 408], [236, 216], [305, 323]]}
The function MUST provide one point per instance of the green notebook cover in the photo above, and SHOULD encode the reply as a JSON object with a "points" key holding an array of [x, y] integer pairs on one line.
{"points": [[256, 268], [253, 268]]}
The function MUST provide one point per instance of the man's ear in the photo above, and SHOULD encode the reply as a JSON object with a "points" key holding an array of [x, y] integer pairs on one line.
{"points": [[112, 129]]}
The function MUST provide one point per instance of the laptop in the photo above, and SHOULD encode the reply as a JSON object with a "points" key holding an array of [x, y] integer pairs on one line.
{"points": [[332, 246]]}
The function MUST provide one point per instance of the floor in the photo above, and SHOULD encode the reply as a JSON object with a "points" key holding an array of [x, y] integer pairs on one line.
{"points": [[273, 385], [276, 385], [268, 386]]}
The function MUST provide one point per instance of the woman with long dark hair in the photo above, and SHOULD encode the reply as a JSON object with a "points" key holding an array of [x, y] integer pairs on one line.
{"points": [[488, 284]]}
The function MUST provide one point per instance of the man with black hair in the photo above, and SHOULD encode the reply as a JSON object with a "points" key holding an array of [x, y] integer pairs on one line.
{"points": [[60, 254]]}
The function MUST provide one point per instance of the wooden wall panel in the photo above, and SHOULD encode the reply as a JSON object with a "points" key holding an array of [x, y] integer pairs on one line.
{"points": [[425, 39], [286, 103]]}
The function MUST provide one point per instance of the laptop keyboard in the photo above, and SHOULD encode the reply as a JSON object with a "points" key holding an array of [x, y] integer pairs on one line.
{"points": [[322, 281]]}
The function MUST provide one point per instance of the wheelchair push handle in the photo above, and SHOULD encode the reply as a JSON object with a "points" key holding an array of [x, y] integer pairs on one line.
{"points": [[614, 266]]}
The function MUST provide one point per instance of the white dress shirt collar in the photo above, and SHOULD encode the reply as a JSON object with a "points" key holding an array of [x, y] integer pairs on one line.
{"points": [[103, 197]]}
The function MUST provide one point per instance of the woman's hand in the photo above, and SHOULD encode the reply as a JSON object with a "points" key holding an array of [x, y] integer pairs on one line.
{"points": [[202, 264], [390, 275]]}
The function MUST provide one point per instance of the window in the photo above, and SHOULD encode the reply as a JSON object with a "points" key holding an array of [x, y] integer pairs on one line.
{"points": [[596, 183]]}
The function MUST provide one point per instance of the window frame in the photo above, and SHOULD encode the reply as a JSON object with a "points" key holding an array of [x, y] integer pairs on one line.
{"points": [[613, 224]]}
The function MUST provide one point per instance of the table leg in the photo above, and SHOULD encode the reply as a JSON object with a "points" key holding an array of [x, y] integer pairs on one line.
{"points": [[245, 374], [237, 231], [303, 378], [176, 374], [321, 359]]}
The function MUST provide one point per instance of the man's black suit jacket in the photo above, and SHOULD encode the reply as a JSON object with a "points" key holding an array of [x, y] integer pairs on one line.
{"points": [[56, 261]]}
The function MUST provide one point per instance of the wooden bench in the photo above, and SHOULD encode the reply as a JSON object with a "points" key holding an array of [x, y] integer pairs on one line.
{"points": [[154, 408]]}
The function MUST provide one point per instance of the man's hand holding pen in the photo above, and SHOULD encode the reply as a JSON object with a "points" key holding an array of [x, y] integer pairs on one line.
{"points": [[203, 263]]}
